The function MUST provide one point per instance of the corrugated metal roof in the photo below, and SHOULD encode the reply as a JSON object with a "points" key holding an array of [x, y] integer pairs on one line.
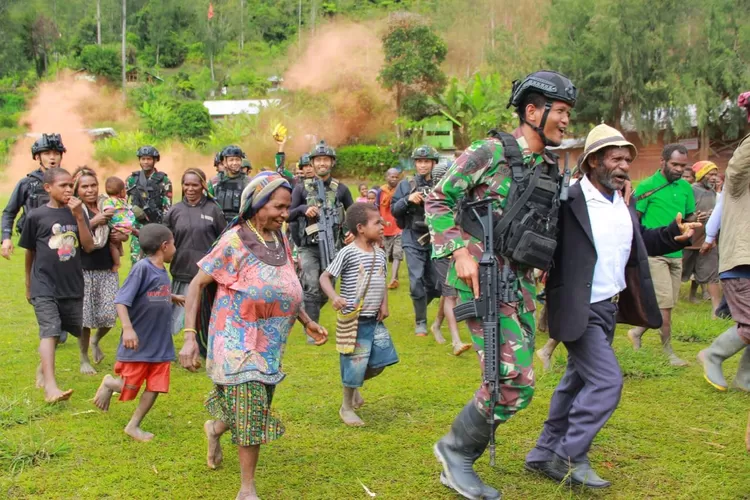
{"points": [[250, 106]]}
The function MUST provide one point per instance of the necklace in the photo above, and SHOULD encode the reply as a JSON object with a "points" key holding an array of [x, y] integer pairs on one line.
{"points": [[260, 236]]}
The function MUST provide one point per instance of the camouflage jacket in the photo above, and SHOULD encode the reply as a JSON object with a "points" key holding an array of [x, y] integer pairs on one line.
{"points": [[164, 194], [480, 172]]}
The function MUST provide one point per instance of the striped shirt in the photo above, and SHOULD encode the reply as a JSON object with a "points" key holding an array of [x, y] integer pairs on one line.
{"points": [[353, 265]]}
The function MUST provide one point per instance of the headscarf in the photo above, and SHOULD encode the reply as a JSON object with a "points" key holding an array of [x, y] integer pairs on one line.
{"points": [[257, 193], [202, 176]]}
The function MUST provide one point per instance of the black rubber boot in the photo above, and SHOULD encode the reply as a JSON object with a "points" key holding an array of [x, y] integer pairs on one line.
{"points": [[460, 448]]}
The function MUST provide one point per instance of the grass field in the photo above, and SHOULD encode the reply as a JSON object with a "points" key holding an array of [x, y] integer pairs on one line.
{"points": [[672, 436]]}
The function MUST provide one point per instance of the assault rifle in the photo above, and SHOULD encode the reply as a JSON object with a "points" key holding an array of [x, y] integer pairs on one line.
{"points": [[494, 287], [326, 221], [566, 179]]}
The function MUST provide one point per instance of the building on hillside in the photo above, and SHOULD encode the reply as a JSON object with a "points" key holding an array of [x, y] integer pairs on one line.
{"points": [[275, 82], [222, 109], [649, 153]]}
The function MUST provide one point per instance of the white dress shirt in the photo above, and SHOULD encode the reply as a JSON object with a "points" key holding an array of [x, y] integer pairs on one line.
{"points": [[612, 229]]}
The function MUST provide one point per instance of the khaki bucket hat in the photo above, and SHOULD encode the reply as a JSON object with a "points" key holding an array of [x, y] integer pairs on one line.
{"points": [[603, 136]]}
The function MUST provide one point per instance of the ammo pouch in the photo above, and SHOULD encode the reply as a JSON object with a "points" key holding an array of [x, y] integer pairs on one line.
{"points": [[526, 232]]}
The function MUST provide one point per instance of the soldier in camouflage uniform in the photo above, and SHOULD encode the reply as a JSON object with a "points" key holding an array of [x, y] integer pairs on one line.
{"points": [[543, 101], [150, 195], [304, 212]]}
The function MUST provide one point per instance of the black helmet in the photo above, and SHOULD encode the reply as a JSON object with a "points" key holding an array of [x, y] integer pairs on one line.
{"points": [[47, 142], [218, 159], [232, 151], [425, 152], [148, 151], [553, 86], [322, 149], [304, 160]]}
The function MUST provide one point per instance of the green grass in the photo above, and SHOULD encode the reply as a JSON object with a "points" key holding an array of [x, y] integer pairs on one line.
{"points": [[672, 436]]}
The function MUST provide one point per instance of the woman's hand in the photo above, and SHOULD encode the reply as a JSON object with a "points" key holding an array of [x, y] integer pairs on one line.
{"points": [[101, 218], [317, 332], [178, 300], [129, 338], [189, 357], [116, 236]]}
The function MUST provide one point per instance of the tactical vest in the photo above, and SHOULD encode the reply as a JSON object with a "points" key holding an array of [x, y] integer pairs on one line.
{"points": [[149, 199], [35, 198], [415, 215], [526, 232], [311, 200], [228, 194]]}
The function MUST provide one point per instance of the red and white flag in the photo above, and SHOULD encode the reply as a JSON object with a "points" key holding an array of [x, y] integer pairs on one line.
{"points": [[210, 10]]}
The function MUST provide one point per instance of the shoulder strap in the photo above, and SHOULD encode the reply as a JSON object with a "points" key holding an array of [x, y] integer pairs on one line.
{"points": [[334, 185], [512, 154], [372, 270], [649, 193], [158, 176], [412, 184]]}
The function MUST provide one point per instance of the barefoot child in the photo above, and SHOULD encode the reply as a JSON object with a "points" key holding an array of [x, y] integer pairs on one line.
{"points": [[53, 235], [362, 269], [123, 218], [144, 305]]}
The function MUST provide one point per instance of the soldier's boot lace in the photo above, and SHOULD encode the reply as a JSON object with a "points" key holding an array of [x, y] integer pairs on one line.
{"points": [[460, 448]]}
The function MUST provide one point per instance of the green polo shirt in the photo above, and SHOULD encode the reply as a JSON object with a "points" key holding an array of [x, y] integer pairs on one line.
{"points": [[660, 208]]}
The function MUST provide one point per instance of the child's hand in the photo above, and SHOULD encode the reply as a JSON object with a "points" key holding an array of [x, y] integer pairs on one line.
{"points": [[178, 300], [129, 338], [317, 332], [116, 267], [348, 238], [339, 303], [75, 205], [28, 295], [383, 312]]}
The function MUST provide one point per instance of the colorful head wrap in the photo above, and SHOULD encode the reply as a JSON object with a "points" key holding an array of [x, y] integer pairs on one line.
{"points": [[259, 190], [702, 168]]}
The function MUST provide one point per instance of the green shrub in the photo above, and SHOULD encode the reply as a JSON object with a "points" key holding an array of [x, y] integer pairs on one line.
{"points": [[122, 147], [104, 61], [190, 120], [364, 160]]}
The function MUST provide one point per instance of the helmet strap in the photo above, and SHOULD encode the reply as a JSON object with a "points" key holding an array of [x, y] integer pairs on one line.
{"points": [[540, 128]]}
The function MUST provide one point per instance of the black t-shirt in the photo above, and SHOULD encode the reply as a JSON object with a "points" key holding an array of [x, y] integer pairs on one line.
{"points": [[53, 234], [194, 229], [98, 260]]}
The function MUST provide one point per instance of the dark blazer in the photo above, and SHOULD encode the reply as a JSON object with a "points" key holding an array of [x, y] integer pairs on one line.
{"points": [[569, 280]]}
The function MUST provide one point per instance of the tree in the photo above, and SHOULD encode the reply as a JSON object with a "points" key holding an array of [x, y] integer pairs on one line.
{"points": [[39, 33], [413, 54], [102, 61]]}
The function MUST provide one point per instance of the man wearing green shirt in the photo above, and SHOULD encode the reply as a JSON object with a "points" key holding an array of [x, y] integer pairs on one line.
{"points": [[659, 199]]}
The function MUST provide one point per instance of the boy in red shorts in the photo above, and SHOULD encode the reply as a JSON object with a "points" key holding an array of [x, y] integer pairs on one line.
{"points": [[146, 349]]}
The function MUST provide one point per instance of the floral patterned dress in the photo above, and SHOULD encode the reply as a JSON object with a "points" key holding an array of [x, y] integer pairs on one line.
{"points": [[256, 306]]}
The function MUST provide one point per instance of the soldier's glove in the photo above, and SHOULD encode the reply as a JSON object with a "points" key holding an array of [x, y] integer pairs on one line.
{"points": [[140, 215]]}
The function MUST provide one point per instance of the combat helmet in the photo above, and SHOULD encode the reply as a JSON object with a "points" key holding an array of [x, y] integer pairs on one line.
{"points": [[304, 160], [322, 149], [232, 151], [218, 159], [47, 142], [148, 151], [552, 85], [425, 152]]}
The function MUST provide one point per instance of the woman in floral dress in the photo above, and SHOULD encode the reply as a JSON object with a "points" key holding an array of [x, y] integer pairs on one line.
{"points": [[257, 302]]}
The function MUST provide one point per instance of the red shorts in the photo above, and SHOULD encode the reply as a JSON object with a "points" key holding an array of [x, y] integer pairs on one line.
{"points": [[133, 373]]}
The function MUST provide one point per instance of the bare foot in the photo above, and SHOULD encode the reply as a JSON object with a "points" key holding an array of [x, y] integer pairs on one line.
{"points": [[350, 418], [459, 349], [139, 434], [544, 355], [215, 455], [247, 495], [87, 369], [97, 353], [437, 334], [357, 400], [39, 377], [56, 395], [634, 339], [103, 394]]}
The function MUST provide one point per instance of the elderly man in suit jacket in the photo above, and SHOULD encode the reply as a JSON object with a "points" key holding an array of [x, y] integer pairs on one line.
{"points": [[600, 276]]}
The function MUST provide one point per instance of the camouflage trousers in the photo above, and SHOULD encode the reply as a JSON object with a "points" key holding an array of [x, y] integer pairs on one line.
{"points": [[515, 357], [135, 249]]}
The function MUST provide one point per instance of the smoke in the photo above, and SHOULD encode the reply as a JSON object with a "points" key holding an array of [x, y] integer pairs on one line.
{"points": [[341, 64]]}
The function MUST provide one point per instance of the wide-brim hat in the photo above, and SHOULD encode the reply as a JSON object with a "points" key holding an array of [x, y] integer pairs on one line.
{"points": [[603, 136]]}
